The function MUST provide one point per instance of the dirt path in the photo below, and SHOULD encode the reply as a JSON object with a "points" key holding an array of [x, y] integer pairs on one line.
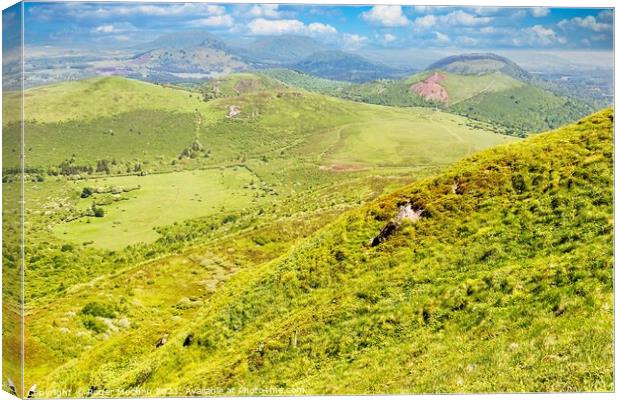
{"points": [[485, 89]]}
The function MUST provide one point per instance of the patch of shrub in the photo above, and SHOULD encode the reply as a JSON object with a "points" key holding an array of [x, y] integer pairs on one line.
{"points": [[98, 309]]}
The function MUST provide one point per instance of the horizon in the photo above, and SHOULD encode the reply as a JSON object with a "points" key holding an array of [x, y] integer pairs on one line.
{"points": [[352, 28]]}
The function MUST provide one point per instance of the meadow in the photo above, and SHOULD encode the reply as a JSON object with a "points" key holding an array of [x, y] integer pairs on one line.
{"points": [[241, 241], [493, 268], [160, 199]]}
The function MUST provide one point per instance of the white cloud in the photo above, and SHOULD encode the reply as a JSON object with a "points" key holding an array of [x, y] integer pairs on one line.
{"points": [[461, 18], [606, 16], [388, 37], [321, 29], [588, 22], [264, 11], [538, 12], [425, 22], [455, 18], [468, 41], [262, 26], [442, 37], [96, 11], [390, 16], [216, 21], [114, 28], [424, 9], [486, 10], [353, 41], [518, 14], [538, 35]]}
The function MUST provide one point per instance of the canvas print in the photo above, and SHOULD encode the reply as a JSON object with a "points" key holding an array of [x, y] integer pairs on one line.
{"points": [[205, 199]]}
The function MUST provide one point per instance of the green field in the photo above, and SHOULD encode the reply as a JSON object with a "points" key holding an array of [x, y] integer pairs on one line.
{"points": [[396, 141], [102, 96], [508, 105], [161, 200], [493, 268], [154, 212]]}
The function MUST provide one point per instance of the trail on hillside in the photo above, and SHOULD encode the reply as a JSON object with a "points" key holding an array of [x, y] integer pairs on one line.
{"points": [[485, 89]]}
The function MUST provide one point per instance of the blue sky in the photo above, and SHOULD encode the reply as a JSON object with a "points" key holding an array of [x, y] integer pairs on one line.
{"points": [[350, 27]]}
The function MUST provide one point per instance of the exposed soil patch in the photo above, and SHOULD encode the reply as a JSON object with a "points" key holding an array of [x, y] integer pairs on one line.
{"points": [[430, 89], [233, 111], [247, 85], [343, 167]]}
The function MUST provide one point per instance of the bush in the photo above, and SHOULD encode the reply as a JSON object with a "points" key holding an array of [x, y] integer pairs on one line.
{"points": [[87, 192], [94, 325], [97, 309], [66, 247], [98, 211]]}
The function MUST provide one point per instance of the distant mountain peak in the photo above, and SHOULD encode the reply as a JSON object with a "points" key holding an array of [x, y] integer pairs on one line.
{"points": [[480, 64], [185, 40]]}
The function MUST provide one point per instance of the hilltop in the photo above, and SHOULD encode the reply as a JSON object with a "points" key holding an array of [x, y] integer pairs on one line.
{"points": [[281, 49], [479, 64], [493, 95], [339, 65], [339, 314]]}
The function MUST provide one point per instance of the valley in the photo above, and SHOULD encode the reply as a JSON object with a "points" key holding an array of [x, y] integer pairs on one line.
{"points": [[280, 213]]}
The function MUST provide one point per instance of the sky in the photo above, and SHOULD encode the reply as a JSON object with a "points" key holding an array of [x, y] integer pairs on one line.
{"points": [[349, 27]]}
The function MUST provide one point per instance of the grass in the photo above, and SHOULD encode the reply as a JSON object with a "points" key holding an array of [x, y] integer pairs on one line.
{"points": [[162, 199], [305, 81], [251, 233], [432, 138], [511, 106], [462, 87], [514, 268], [235, 84], [103, 96]]}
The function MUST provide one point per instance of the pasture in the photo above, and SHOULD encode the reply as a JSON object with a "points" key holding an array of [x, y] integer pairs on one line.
{"points": [[412, 138], [162, 199]]}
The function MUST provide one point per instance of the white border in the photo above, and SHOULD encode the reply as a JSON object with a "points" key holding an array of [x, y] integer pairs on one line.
{"points": [[526, 3]]}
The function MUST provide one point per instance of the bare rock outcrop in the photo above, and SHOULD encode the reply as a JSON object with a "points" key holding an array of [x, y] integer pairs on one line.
{"points": [[407, 212]]}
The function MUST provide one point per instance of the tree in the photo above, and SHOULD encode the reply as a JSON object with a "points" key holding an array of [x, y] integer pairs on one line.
{"points": [[87, 192], [98, 211]]}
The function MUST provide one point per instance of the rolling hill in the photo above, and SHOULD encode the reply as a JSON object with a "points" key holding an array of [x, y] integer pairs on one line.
{"points": [[485, 87], [135, 172], [339, 65], [184, 40], [281, 49], [129, 121], [505, 256], [480, 64]]}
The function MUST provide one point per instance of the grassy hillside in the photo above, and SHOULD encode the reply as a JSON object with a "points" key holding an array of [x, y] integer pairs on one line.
{"points": [[306, 81], [236, 84], [195, 195], [103, 96], [512, 106], [504, 283], [480, 64]]}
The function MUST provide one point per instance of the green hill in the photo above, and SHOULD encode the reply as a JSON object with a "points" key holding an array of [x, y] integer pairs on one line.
{"points": [[124, 123], [306, 81], [494, 276], [237, 84], [516, 107], [177, 194], [479, 64]]}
